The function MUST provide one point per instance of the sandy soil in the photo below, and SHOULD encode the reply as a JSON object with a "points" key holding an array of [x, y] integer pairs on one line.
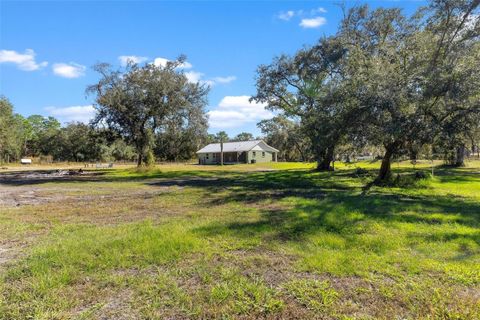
{"points": [[21, 187]]}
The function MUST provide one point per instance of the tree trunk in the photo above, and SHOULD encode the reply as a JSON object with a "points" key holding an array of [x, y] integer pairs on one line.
{"points": [[300, 151], [386, 168], [140, 159], [142, 148], [460, 156], [324, 159]]}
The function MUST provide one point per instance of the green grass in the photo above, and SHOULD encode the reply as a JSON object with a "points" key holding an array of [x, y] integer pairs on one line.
{"points": [[315, 295], [249, 241]]}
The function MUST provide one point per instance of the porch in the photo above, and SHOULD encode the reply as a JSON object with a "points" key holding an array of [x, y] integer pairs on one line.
{"points": [[231, 157]]}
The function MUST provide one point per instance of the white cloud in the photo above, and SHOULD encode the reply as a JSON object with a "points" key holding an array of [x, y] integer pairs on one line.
{"points": [[162, 62], [124, 60], [24, 61], [193, 76], [308, 18], [236, 111], [318, 10], [209, 83], [286, 16], [186, 65], [69, 70], [313, 22], [224, 80], [74, 113]]}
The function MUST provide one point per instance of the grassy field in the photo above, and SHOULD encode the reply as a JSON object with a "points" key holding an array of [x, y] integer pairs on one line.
{"points": [[248, 241]]}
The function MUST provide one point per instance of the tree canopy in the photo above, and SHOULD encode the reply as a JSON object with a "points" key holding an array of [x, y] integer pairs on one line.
{"points": [[383, 79], [144, 100]]}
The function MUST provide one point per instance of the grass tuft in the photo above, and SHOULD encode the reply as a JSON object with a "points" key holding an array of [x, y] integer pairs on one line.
{"points": [[314, 294]]}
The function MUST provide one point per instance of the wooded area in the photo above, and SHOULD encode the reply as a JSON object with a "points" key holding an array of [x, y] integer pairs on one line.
{"points": [[402, 86]]}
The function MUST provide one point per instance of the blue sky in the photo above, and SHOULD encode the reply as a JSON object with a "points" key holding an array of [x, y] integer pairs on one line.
{"points": [[47, 49]]}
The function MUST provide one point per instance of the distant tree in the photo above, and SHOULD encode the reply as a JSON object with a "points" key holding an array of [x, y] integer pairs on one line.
{"points": [[220, 136], [140, 100], [78, 142], [458, 137], [42, 135], [286, 136], [21, 131], [6, 120], [210, 138], [36, 125], [182, 135], [120, 150], [12, 132], [243, 136]]}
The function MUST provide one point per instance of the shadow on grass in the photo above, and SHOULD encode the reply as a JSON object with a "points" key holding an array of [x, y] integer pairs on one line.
{"points": [[34, 177], [349, 214], [295, 204], [302, 202]]}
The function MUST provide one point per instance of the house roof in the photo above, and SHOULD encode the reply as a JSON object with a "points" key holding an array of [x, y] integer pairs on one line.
{"points": [[239, 146]]}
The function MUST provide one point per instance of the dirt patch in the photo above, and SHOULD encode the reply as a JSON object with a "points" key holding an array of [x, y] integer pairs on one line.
{"points": [[22, 195], [21, 187], [42, 176], [15, 196], [5, 255], [8, 254], [118, 306], [13, 249]]}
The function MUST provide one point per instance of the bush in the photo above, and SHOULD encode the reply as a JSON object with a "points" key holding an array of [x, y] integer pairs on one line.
{"points": [[361, 171], [150, 159], [417, 180], [420, 175]]}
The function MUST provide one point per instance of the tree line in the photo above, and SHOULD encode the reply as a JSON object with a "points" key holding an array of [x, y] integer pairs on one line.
{"points": [[44, 138], [385, 79]]}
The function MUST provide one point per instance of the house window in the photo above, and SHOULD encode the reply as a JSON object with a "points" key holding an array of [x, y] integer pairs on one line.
{"points": [[214, 155], [263, 154], [254, 154], [206, 156]]}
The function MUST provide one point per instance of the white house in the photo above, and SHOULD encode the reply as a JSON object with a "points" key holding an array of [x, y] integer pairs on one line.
{"points": [[255, 151]]}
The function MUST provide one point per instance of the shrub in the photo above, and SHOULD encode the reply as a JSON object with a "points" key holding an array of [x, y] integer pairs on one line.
{"points": [[419, 175], [417, 180], [150, 159], [361, 171]]}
